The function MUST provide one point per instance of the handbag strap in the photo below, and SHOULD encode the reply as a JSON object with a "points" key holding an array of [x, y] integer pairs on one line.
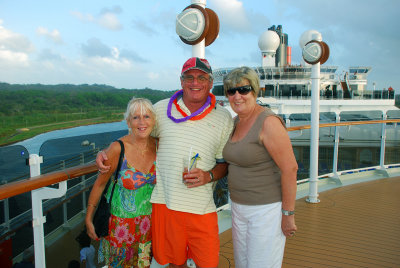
{"points": [[121, 155]]}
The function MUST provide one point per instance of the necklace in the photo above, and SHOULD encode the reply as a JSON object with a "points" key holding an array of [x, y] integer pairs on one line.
{"points": [[197, 115], [142, 151]]}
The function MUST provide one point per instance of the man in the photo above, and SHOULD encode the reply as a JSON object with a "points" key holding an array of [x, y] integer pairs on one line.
{"points": [[189, 126]]}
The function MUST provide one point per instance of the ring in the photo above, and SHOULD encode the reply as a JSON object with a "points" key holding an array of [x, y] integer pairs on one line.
{"points": [[292, 233], [197, 179]]}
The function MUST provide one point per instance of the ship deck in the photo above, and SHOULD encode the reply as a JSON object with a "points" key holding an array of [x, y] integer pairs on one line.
{"points": [[353, 226]]}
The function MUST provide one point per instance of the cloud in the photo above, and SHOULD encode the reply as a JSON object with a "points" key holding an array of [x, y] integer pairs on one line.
{"points": [[132, 55], [153, 75], [109, 21], [83, 17], [233, 15], [237, 19], [95, 48], [13, 58], [53, 35], [49, 55], [14, 48], [14, 42], [143, 27], [107, 18]]}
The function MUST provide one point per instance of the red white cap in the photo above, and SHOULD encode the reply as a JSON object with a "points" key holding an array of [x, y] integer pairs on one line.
{"points": [[196, 63]]}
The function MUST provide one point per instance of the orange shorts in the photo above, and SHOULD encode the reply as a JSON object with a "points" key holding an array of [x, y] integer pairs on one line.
{"points": [[178, 236]]}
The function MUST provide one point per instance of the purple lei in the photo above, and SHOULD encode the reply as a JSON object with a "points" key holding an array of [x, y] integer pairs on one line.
{"points": [[199, 111]]}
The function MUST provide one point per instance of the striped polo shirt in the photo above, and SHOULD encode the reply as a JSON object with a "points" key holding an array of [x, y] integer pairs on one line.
{"points": [[207, 137]]}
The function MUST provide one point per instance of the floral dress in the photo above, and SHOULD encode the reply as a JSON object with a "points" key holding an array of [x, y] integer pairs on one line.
{"points": [[129, 241]]}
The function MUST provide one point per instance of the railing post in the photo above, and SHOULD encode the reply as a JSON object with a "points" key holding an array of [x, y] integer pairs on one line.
{"points": [[383, 143], [315, 79], [336, 148], [37, 210], [65, 214], [6, 208]]}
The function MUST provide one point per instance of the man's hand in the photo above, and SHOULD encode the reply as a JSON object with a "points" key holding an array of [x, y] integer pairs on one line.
{"points": [[196, 178], [100, 160]]}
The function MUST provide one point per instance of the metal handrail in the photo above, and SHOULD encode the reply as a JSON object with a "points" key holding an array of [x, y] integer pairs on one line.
{"points": [[352, 123], [18, 187], [15, 188]]}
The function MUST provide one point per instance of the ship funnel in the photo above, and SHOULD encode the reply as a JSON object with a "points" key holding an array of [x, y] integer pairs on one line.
{"points": [[268, 43], [281, 51]]}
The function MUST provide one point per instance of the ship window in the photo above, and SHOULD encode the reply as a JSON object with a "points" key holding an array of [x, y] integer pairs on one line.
{"points": [[218, 90], [300, 117]]}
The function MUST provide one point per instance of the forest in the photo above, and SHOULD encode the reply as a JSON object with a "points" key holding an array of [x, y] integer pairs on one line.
{"points": [[30, 109], [23, 99]]}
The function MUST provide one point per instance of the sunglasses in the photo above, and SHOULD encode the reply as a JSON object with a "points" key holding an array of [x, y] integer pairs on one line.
{"points": [[243, 90]]}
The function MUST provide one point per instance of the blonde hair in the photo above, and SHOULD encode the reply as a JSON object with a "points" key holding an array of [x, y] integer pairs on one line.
{"points": [[139, 104], [238, 74]]}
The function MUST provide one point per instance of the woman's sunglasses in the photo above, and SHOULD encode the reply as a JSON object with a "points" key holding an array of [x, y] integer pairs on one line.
{"points": [[243, 90]]}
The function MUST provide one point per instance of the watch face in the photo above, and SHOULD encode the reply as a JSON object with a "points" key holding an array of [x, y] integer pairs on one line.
{"points": [[312, 52], [287, 213]]}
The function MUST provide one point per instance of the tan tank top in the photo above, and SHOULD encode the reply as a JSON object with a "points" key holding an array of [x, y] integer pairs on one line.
{"points": [[253, 177]]}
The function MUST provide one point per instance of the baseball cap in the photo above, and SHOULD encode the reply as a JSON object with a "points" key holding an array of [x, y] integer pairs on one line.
{"points": [[196, 63]]}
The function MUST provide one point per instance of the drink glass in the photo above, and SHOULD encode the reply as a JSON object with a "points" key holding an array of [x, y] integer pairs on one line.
{"points": [[187, 167]]}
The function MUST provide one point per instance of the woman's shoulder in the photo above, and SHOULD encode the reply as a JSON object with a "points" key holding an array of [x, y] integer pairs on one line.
{"points": [[115, 147]]}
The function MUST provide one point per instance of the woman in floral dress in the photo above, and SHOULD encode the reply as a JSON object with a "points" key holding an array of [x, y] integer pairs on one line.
{"points": [[129, 241]]}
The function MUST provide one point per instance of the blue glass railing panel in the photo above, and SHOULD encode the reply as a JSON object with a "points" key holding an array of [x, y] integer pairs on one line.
{"points": [[359, 145], [392, 148], [14, 167]]}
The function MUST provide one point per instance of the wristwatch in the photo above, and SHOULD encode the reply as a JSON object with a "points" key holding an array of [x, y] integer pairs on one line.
{"points": [[211, 176], [287, 212]]}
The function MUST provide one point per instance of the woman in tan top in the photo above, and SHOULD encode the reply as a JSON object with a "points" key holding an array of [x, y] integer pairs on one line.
{"points": [[262, 176]]}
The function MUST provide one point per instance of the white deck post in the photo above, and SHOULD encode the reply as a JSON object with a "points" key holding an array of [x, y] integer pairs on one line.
{"points": [[199, 50], [336, 148], [313, 183], [383, 142], [37, 210]]}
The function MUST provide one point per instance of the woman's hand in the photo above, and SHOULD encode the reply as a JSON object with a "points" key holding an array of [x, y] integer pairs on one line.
{"points": [[289, 228], [90, 230]]}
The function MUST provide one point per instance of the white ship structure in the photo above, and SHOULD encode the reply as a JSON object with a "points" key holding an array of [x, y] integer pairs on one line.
{"points": [[286, 88]]}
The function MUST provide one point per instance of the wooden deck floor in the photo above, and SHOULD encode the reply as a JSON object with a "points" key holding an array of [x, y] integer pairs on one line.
{"points": [[352, 226]]}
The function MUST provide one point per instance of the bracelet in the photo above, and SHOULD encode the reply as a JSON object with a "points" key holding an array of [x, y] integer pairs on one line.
{"points": [[287, 212], [91, 205], [211, 176]]}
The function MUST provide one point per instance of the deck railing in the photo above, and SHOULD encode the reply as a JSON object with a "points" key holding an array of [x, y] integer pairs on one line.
{"points": [[41, 185]]}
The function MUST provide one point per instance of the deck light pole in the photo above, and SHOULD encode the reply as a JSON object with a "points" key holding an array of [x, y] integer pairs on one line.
{"points": [[315, 52], [197, 26]]}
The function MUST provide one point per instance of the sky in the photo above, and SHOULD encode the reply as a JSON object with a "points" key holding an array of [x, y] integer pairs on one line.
{"points": [[133, 44]]}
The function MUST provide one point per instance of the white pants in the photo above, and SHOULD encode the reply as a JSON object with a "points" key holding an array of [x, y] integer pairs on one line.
{"points": [[258, 240]]}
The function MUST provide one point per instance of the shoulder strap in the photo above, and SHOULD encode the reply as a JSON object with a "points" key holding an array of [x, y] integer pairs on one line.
{"points": [[121, 156]]}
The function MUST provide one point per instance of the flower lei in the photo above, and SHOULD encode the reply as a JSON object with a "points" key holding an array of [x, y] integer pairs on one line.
{"points": [[197, 115]]}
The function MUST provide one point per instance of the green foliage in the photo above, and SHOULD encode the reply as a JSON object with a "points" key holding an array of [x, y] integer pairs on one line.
{"points": [[42, 108], [23, 99]]}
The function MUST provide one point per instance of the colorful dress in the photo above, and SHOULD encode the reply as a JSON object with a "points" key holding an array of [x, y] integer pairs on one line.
{"points": [[129, 240]]}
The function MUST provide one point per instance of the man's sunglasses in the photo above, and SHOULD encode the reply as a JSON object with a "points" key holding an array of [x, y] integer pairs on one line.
{"points": [[243, 90]]}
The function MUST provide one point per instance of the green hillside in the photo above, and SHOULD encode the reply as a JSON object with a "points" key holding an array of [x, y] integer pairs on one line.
{"points": [[28, 110]]}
